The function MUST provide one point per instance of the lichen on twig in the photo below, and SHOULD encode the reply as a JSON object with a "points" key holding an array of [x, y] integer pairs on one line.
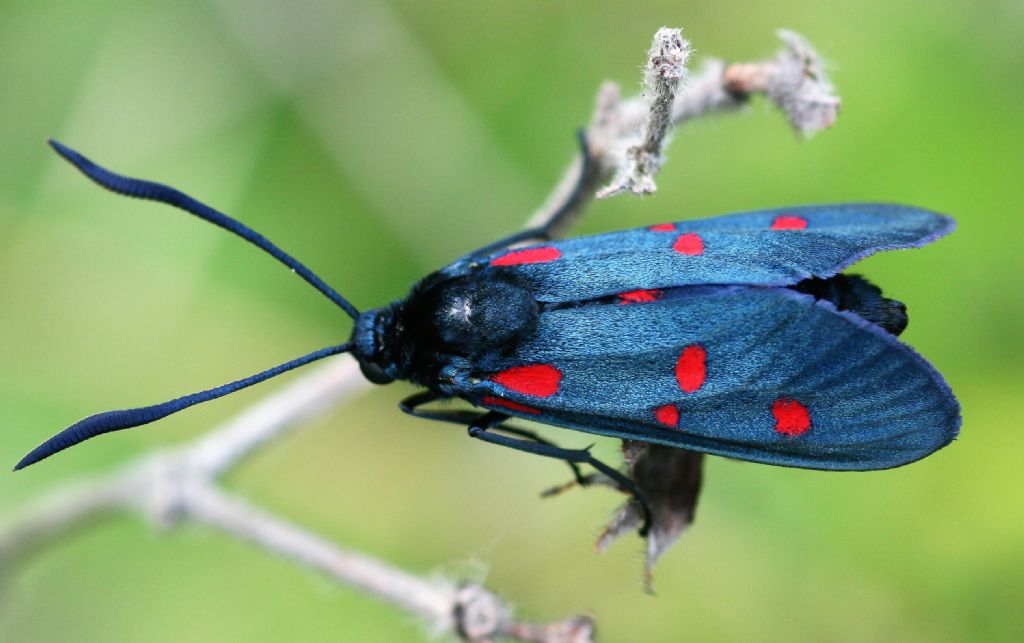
{"points": [[665, 73], [795, 80]]}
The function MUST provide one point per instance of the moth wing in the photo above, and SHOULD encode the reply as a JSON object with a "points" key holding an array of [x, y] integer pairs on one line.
{"points": [[761, 374], [767, 247]]}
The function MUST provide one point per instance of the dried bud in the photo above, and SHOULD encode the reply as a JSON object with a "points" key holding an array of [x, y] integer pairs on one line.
{"points": [[670, 480]]}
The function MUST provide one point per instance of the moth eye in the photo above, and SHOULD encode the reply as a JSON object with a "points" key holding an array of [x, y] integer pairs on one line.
{"points": [[374, 373]]}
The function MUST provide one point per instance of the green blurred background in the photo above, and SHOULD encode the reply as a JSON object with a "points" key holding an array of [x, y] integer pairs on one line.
{"points": [[379, 140]]}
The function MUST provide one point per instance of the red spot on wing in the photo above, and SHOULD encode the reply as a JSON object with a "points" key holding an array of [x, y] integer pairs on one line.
{"points": [[490, 400], [667, 415], [537, 380], [527, 255], [663, 227], [689, 244], [791, 417], [691, 368], [639, 296], [789, 222]]}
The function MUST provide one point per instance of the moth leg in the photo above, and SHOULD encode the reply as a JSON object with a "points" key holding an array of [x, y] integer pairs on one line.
{"points": [[480, 430], [544, 232], [559, 489], [411, 405]]}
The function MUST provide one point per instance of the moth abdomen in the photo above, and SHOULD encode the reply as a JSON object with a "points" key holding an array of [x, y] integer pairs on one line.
{"points": [[861, 297]]}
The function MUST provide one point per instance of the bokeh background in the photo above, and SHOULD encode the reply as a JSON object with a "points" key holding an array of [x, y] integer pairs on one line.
{"points": [[379, 140]]}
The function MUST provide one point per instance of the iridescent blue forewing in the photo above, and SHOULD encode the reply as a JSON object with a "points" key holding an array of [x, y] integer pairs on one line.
{"points": [[768, 247], [761, 374]]}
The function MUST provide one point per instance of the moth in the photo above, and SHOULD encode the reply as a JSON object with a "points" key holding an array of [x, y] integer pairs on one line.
{"points": [[737, 336]]}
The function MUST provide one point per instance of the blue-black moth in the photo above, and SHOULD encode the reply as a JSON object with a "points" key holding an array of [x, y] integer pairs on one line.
{"points": [[735, 336]]}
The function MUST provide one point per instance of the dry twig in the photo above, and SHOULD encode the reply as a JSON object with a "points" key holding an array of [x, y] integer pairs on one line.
{"points": [[794, 79]]}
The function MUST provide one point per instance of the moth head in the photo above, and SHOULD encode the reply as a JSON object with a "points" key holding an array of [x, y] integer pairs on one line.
{"points": [[371, 344]]}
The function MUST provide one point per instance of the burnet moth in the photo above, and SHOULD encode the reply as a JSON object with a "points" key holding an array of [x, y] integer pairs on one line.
{"points": [[736, 336]]}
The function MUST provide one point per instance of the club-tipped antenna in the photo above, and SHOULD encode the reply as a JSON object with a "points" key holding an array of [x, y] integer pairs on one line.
{"points": [[109, 421], [140, 189]]}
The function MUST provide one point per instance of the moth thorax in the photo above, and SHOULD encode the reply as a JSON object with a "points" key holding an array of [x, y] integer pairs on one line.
{"points": [[471, 315]]}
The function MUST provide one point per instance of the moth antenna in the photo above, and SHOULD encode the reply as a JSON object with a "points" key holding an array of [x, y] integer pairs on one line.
{"points": [[109, 421], [140, 189]]}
